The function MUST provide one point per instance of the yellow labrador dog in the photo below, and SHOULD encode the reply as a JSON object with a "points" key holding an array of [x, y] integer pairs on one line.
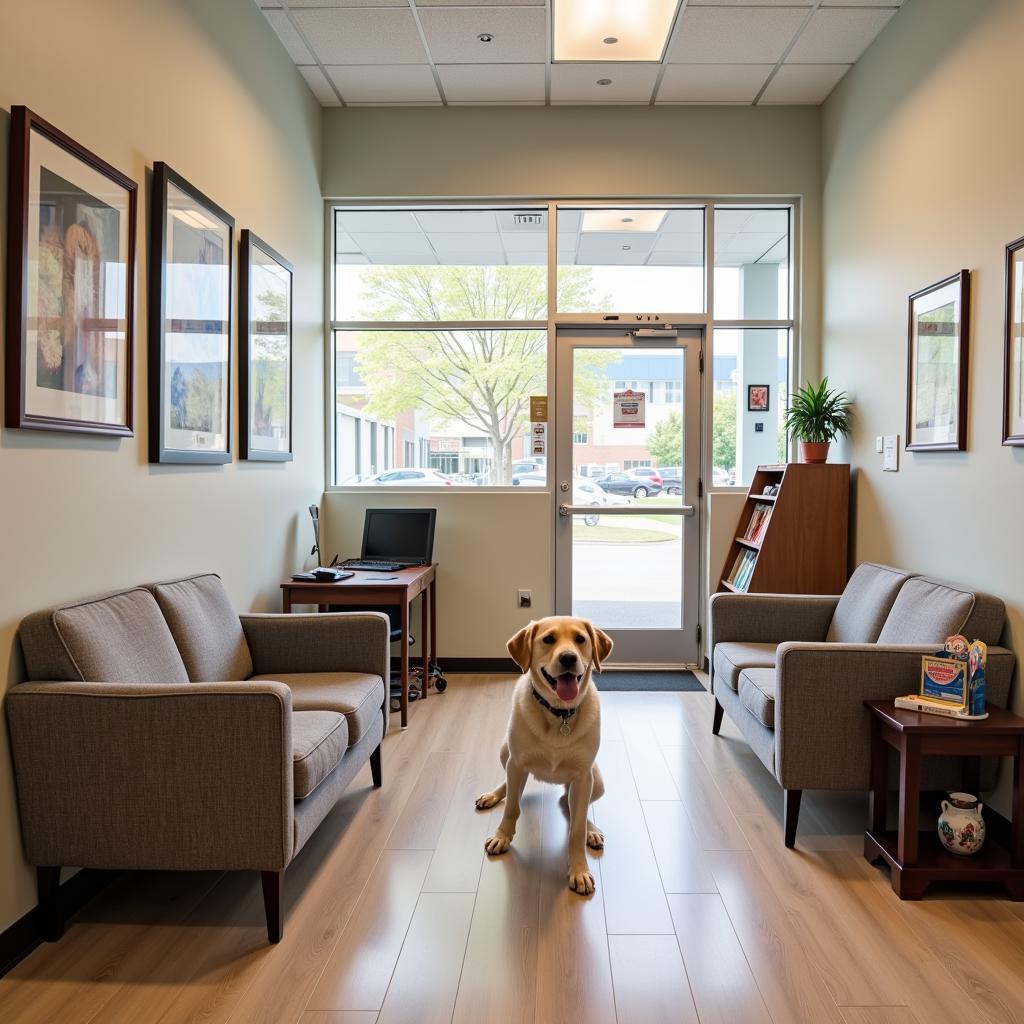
{"points": [[554, 732]]}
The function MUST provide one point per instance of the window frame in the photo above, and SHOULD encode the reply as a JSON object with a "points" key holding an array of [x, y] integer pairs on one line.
{"points": [[705, 320]]}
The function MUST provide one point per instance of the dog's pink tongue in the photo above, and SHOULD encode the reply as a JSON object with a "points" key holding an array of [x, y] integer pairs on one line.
{"points": [[566, 686]]}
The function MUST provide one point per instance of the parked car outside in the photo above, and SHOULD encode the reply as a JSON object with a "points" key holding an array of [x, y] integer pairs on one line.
{"points": [[671, 479], [584, 492], [628, 482], [721, 477], [652, 474], [408, 477], [533, 465]]}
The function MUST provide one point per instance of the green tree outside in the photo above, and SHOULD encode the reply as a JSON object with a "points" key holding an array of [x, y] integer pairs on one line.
{"points": [[723, 431], [666, 441]]}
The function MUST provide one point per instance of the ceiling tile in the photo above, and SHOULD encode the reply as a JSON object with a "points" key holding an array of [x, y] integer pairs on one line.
{"points": [[285, 31], [457, 221], [297, 5], [683, 222], [577, 83], [671, 241], [352, 36], [446, 245], [479, 3], [319, 86], [859, 3], [378, 244], [712, 83], [803, 83], [451, 34], [614, 245], [838, 35], [383, 83], [492, 83], [376, 221], [716, 35], [525, 242], [750, 3]]}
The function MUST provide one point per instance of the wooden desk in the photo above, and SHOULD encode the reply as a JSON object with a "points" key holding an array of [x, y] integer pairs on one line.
{"points": [[381, 588], [916, 857]]}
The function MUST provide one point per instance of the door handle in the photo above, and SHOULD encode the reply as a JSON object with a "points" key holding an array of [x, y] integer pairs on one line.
{"points": [[626, 510]]}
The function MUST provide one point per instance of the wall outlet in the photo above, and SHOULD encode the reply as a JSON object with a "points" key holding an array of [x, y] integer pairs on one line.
{"points": [[525, 599]]}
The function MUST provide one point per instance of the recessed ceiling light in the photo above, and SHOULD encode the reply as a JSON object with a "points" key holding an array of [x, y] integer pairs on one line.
{"points": [[626, 248], [639, 29], [485, 37], [604, 81], [622, 220]]}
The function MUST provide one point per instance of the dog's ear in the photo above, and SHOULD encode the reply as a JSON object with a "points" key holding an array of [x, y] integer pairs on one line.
{"points": [[521, 646], [600, 643]]}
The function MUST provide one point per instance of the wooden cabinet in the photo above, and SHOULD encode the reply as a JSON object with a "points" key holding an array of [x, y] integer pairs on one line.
{"points": [[794, 541]]}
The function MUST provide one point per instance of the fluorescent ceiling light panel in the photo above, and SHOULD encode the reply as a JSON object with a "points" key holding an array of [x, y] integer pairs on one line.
{"points": [[622, 220], [638, 29]]}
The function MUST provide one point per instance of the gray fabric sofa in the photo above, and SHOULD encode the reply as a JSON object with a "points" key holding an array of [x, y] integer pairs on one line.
{"points": [[793, 672], [158, 729]]}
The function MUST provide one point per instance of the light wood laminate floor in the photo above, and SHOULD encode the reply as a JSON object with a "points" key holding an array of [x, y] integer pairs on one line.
{"points": [[394, 913]]}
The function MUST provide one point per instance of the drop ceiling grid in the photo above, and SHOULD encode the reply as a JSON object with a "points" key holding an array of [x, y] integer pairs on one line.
{"points": [[718, 52]]}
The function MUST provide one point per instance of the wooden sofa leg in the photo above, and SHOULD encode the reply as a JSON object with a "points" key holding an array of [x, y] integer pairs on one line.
{"points": [[273, 892], [717, 723], [375, 768], [51, 919], [791, 814]]}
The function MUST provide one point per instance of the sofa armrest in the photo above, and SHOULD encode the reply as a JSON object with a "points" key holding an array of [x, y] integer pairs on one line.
{"points": [[770, 618], [182, 776], [823, 730], [336, 642]]}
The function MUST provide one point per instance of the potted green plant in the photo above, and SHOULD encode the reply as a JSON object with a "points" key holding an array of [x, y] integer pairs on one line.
{"points": [[816, 417]]}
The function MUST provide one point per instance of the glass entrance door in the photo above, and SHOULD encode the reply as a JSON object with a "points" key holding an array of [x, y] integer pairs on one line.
{"points": [[627, 466]]}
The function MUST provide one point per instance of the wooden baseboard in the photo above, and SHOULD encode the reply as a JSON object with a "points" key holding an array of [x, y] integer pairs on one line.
{"points": [[17, 941]]}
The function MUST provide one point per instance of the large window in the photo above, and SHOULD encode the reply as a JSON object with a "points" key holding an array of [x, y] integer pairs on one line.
{"points": [[440, 318]]}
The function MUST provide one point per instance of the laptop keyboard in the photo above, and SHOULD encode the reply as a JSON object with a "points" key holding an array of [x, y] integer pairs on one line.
{"points": [[372, 565]]}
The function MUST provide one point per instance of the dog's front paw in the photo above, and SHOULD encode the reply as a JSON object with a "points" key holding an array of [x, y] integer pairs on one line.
{"points": [[581, 881], [595, 839], [486, 800], [498, 843]]}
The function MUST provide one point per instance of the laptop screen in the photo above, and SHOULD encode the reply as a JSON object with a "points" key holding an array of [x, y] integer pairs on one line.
{"points": [[399, 534]]}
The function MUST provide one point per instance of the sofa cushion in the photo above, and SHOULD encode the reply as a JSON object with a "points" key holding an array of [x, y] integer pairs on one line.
{"points": [[205, 627], [356, 695], [757, 694], [731, 658], [926, 611], [866, 602], [319, 741], [116, 638]]}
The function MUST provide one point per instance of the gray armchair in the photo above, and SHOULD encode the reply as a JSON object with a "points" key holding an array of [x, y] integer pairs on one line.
{"points": [[793, 672], [160, 730]]}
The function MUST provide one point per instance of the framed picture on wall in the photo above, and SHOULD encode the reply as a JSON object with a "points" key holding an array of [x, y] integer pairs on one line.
{"points": [[71, 284], [190, 300], [757, 398], [937, 350], [1013, 369], [264, 352]]}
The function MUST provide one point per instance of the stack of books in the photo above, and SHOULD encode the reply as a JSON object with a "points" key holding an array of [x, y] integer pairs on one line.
{"points": [[742, 569], [758, 522]]}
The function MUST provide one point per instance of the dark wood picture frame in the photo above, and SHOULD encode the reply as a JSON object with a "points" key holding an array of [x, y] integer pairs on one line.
{"points": [[247, 242], [767, 398], [23, 123], [1011, 438], [158, 451], [963, 280]]}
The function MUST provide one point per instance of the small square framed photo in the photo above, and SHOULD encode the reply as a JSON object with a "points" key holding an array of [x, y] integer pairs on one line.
{"points": [[758, 399], [1013, 370], [937, 347], [264, 352]]}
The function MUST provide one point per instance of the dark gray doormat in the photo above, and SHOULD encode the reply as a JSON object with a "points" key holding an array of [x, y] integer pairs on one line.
{"points": [[679, 682]]}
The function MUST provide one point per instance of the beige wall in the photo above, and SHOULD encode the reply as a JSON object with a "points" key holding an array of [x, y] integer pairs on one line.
{"points": [[550, 152], [921, 165], [206, 87]]}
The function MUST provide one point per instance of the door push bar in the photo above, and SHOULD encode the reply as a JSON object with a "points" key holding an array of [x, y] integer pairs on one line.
{"points": [[633, 510]]}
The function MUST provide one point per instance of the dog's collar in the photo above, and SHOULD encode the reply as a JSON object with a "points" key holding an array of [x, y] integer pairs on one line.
{"points": [[563, 713]]}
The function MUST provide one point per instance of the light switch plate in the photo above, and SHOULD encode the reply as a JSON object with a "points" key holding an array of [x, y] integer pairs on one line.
{"points": [[891, 453]]}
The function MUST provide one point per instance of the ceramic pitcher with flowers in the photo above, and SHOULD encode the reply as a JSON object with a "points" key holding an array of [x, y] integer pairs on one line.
{"points": [[961, 826]]}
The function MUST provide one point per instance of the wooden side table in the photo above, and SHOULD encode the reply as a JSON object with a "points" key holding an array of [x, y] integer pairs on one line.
{"points": [[916, 857]]}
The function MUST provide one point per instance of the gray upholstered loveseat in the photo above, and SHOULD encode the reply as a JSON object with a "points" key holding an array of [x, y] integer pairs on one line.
{"points": [[158, 729], [793, 672]]}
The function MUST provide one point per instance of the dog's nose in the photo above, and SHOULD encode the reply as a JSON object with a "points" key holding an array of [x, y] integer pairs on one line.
{"points": [[568, 659]]}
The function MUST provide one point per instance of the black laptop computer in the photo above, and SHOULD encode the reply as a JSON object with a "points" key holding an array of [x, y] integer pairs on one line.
{"points": [[396, 537]]}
